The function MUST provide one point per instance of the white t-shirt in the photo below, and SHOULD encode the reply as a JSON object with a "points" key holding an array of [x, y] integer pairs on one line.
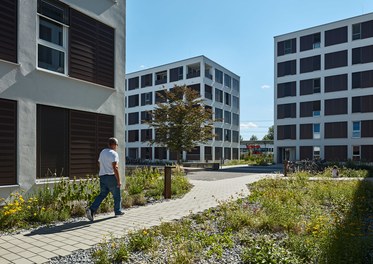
{"points": [[106, 159]]}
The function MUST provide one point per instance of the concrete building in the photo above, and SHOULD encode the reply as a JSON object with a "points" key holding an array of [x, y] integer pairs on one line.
{"points": [[62, 71], [219, 87], [323, 96]]}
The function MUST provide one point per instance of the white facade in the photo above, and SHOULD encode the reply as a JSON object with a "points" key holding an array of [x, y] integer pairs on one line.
{"points": [[198, 72], [317, 87], [30, 86]]}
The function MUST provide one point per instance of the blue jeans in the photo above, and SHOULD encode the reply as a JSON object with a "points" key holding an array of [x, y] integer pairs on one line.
{"points": [[108, 183]]}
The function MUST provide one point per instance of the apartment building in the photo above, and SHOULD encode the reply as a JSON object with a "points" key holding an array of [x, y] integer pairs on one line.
{"points": [[62, 70], [323, 98], [219, 87]]}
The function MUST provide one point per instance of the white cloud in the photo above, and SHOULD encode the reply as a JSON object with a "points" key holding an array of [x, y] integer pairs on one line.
{"points": [[247, 125], [265, 86]]}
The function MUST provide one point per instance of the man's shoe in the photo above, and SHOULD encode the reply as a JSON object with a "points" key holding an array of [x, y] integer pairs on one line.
{"points": [[119, 214], [89, 214]]}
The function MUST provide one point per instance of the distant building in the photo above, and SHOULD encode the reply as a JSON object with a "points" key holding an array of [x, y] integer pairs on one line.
{"points": [[219, 87], [323, 98], [62, 67], [256, 147]]}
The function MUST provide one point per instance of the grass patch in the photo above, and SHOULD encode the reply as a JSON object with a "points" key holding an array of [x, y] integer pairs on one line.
{"points": [[292, 220]]}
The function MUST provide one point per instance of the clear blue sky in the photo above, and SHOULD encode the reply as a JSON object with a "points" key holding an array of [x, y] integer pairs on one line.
{"points": [[237, 34]]}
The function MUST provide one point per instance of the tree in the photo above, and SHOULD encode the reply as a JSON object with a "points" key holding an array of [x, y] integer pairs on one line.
{"points": [[253, 138], [181, 121], [270, 134]]}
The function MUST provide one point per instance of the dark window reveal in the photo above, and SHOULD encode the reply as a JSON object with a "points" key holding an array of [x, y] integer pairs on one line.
{"points": [[286, 68], [336, 59], [335, 36], [336, 83], [8, 30]]}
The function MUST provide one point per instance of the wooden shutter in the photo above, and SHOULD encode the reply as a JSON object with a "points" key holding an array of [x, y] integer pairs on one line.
{"points": [[8, 30], [306, 152], [8, 142], [91, 50], [89, 134]]}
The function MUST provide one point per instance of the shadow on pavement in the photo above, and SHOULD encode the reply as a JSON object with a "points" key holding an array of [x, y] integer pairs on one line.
{"points": [[65, 227]]}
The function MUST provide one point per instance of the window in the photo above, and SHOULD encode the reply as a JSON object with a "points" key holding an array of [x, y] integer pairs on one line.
{"points": [[335, 130], [286, 47], [286, 132], [356, 130], [196, 87], [236, 119], [66, 33], [286, 89], [70, 141], [208, 92], [316, 131], [218, 76], [235, 137], [311, 108], [146, 116], [362, 30], [133, 83], [236, 85], [53, 20], [146, 80], [362, 79], [356, 153], [310, 86], [8, 142], [286, 68], [306, 131], [8, 29], [208, 70], [356, 31], [160, 96], [218, 115], [208, 153], [160, 77], [227, 135], [218, 95], [133, 135], [218, 134], [236, 102], [310, 64], [227, 117], [362, 104], [133, 100], [336, 83], [160, 153], [193, 70], [147, 98], [91, 49], [146, 153], [146, 135], [176, 74], [335, 59], [227, 80], [335, 36], [310, 42], [193, 154], [286, 111], [316, 152], [336, 106], [227, 99], [362, 55], [336, 153], [133, 118]]}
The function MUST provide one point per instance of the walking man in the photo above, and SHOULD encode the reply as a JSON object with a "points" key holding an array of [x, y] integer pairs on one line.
{"points": [[109, 179]]}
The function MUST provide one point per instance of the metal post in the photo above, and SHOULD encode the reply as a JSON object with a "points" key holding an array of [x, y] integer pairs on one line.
{"points": [[167, 182]]}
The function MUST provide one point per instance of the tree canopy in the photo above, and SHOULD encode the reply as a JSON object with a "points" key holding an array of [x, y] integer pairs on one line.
{"points": [[181, 120], [270, 134]]}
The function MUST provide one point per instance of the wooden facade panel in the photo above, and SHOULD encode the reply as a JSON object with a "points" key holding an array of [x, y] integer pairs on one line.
{"points": [[8, 30]]}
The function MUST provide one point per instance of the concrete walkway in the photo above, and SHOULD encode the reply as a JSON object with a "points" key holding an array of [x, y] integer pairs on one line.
{"points": [[41, 245]]}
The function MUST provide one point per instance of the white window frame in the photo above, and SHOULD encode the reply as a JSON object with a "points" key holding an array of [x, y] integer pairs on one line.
{"points": [[356, 157], [63, 48], [315, 150], [316, 135], [356, 133]]}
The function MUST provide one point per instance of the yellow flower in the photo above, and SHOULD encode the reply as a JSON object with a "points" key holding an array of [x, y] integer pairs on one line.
{"points": [[43, 208], [28, 207], [6, 207], [145, 232], [34, 214]]}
